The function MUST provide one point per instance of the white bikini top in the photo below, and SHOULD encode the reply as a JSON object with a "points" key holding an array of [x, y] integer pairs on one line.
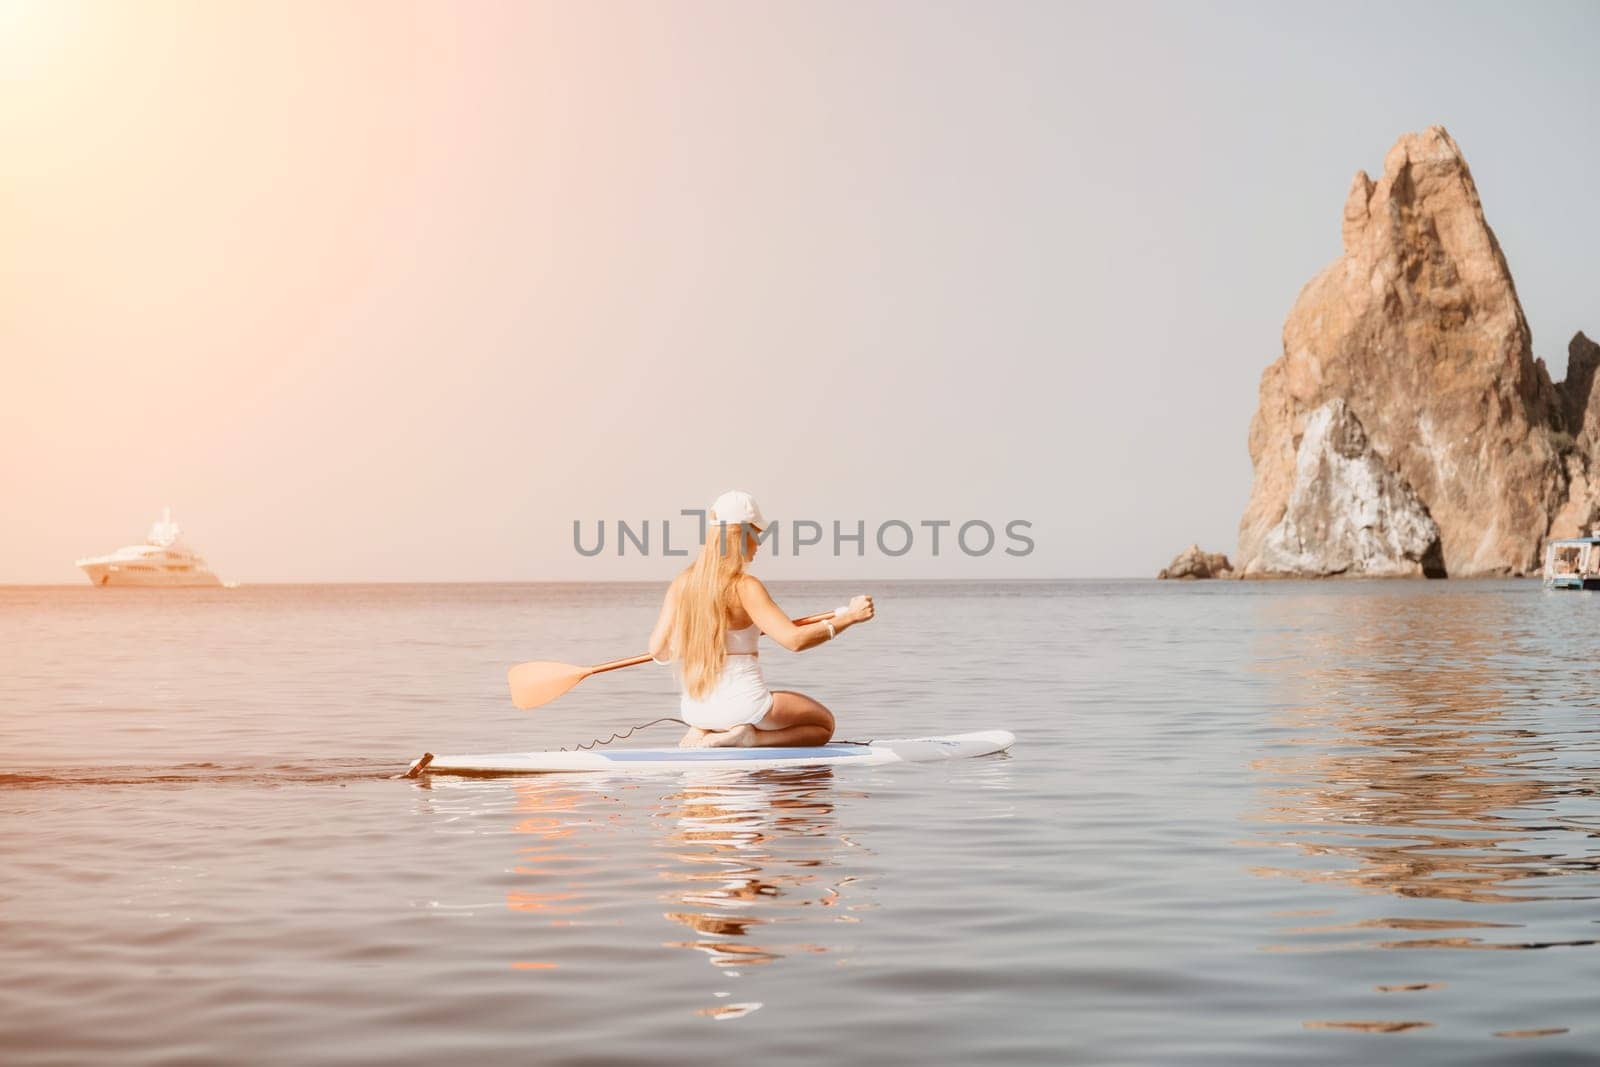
{"points": [[744, 642]]}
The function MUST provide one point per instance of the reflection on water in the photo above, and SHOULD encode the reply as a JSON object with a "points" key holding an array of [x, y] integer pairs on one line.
{"points": [[1374, 1026], [1423, 774], [747, 857], [751, 852], [1420, 760]]}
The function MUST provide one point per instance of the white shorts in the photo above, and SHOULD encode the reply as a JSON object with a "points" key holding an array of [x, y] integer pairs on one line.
{"points": [[741, 696]]}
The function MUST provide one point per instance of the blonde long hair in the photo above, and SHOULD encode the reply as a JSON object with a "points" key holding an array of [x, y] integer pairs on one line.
{"points": [[700, 621]]}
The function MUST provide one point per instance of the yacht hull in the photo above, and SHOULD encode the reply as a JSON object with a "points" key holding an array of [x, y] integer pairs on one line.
{"points": [[107, 574]]}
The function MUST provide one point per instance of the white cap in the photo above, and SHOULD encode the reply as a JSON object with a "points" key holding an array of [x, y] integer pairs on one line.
{"points": [[735, 506]]}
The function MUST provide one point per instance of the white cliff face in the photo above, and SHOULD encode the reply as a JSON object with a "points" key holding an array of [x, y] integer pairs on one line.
{"points": [[1348, 513]]}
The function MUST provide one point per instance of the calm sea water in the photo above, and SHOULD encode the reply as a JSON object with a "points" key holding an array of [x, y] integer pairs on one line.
{"points": [[1243, 823]]}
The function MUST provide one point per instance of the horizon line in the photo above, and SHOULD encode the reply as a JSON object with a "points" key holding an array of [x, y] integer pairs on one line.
{"points": [[7, 584]]}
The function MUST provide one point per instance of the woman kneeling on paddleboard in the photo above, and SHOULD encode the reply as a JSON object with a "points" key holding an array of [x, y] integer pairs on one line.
{"points": [[713, 616]]}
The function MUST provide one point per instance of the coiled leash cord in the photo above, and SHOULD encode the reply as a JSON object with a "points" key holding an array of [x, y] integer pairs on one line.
{"points": [[596, 743]]}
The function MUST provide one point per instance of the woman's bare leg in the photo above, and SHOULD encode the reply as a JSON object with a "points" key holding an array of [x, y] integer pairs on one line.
{"points": [[795, 721]]}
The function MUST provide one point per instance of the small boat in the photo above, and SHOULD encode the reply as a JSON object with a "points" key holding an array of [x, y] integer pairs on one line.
{"points": [[163, 560], [1572, 563]]}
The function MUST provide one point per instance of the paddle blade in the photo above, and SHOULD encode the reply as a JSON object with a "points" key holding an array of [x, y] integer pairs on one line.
{"points": [[540, 682]]}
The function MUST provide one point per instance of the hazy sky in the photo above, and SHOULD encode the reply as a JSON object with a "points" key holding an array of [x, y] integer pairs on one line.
{"points": [[398, 291]]}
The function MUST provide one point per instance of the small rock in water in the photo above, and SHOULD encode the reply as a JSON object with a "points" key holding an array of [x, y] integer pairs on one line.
{"points": [[1194, 562]]}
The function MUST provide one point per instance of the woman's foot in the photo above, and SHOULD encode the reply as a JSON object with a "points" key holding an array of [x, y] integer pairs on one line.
{"points": [[695, 738], [738, 737]]}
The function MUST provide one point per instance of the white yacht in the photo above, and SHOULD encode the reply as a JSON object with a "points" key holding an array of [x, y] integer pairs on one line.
{"points": [[163, 559]]}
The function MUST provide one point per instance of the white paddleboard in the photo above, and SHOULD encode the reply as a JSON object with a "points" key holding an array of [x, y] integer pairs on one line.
{"points": [[654, 760]]}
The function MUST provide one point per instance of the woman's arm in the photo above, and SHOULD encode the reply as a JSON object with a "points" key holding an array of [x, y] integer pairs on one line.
{"points": [[661, 636], [765, 613]]}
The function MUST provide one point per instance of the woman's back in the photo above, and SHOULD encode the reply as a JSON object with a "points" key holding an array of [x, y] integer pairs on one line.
{"points": [[743, 641]]}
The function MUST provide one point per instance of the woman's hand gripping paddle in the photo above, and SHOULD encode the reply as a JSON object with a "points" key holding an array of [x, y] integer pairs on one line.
{"points": [[540, 681]]}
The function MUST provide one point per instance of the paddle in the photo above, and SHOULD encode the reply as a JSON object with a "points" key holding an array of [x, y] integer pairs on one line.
{"points": [[540, 681]]}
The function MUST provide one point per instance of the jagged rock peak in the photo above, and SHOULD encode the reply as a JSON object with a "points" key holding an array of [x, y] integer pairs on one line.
{"points": [[1416, 325]]}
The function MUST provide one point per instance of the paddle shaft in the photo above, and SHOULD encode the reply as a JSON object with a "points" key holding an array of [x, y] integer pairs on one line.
{"points": [[634, 661]]}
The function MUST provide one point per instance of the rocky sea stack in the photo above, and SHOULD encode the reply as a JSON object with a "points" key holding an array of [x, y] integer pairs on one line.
{"points": [[1407, 429]]}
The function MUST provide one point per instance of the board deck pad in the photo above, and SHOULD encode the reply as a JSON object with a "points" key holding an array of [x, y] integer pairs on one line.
{"points": [[654, 760]]}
